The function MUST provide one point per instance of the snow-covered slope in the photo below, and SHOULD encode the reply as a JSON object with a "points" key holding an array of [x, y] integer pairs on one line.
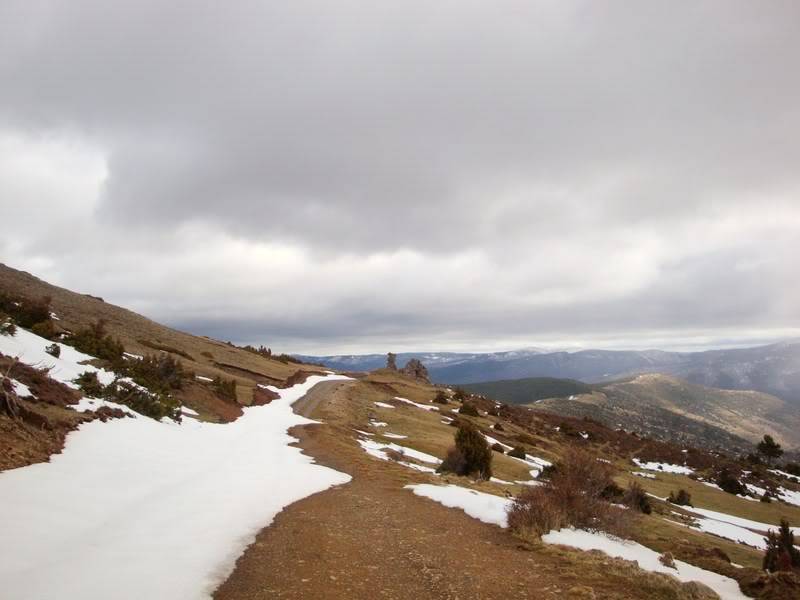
{"points": [[134, 508]]}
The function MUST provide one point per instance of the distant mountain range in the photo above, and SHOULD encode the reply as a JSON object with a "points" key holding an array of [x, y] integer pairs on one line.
{"points": [[773, 369]]}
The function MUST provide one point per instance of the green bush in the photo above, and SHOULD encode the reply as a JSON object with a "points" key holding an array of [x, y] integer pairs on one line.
{"points": [[471, 454], [89, 384], [45, 329], [440, 398], [728, 482], [781, 554], [7, 326], [24, 311], [154, 405], [94, 340], [517, 452], [469, 410], [636, 498], [225, 388], [161, 373], [682, 498]]}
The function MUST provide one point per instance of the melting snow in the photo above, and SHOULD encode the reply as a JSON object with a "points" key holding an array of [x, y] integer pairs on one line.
{"points": [[643, 474], [22, 390], [727, 588], [394, 436], [29, 348], [129, 497], [417, 404], [383, 405], [664, 467], [478, 505]]}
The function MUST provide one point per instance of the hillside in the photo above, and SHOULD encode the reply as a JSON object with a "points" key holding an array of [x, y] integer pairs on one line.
{"points": [[531, 389], [141, 336], [245, 496], [668, 408], [772, 369]]}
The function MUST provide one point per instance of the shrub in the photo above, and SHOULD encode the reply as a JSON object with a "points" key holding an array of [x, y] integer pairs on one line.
{"points": [[498, 427], [765, 497], [154, 405], [517, 452], [94, 340], [493, 412], [473, 455], [53, 350], [440, 398], [469, 410], [24, 311], [89, 384], [682, 498], [728, 482], [572, 498], [453, 462], [460, 395], [792, 468], [769, 448], [497, 447], [225, 388], [161, 373], [613, 493], [636, 498], [45, 329], [781, 554], [7, 326], [395, 455]]}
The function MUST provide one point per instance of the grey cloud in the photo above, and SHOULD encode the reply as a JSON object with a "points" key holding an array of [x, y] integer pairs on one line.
{"points": [[590, 152]]}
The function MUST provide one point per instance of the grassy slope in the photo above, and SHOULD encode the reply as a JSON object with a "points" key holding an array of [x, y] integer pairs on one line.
{"points": [[427, 433], [208, 357]]}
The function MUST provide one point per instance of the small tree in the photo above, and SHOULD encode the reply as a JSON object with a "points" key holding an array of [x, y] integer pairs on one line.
{"points": [[391, 361], [471, 454], [781, 554], [440, 398], [769, 448], [682, 498], [468, 409]]}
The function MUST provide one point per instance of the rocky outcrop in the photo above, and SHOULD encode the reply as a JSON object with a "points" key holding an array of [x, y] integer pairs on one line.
{"points": [[391, 361], [414, 368]]}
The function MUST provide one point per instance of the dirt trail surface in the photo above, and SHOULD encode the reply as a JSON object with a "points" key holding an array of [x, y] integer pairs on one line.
{"points": [[373, 539]]}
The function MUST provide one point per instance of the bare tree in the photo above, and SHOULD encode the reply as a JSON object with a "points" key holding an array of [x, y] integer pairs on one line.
{"points": [[8, 397]]}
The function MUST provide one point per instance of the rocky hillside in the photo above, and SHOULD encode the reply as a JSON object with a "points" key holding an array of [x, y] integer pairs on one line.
{"points": [[669, 408]]}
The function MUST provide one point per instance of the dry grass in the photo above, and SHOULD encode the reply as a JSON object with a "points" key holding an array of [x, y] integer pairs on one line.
{"points": [[572, 498]]}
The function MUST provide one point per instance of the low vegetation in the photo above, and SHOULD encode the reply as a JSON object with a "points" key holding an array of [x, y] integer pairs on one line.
{"points": [[95, 341], [682, 498], [471, 455], [572, 497], [781, 553]]}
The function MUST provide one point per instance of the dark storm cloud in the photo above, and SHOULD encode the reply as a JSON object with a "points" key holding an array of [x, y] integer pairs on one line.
{"points": [[552, 168]]}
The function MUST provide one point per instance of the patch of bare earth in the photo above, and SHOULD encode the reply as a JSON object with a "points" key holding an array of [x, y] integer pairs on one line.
{"points": [[371, 538]]}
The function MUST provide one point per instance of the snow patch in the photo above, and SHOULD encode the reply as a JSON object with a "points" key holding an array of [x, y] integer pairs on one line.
{"points": [[727, 588], [29, 348], [133, 496], [663, 467], [417, 404], [478, 505]]}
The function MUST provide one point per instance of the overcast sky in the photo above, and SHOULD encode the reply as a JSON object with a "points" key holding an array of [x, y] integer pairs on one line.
{"points": [[369, 176]]}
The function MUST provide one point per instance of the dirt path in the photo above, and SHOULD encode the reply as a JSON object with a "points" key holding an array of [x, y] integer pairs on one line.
{"points": [[373, 539]]}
